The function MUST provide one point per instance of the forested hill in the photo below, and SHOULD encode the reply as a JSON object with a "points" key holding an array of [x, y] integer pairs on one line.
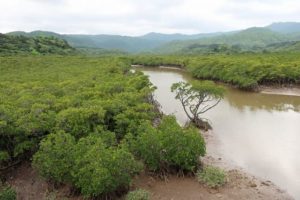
{"points": [[145, 43], [102, 41], [19, 44], [255, 39], [252, 39]]}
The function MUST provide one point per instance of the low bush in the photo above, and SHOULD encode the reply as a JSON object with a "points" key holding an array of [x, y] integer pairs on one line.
{"points": [[213, 177], [80, 121], [91, 164], [54, 158], [99, 169], [168, 146], [139, 194]]}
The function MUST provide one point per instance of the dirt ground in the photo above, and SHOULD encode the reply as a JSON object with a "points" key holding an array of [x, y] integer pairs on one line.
{"points": [[240, 186], [30, 186]]}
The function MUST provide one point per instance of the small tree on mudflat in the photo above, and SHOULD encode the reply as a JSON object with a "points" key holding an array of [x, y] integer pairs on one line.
{"points": [[197, 98]]}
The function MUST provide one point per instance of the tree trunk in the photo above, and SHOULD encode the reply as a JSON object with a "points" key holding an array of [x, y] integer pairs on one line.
{"points": [[203, 125]]}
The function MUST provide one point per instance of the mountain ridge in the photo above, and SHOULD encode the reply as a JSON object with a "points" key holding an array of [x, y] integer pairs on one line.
{"points": [[250, 38]]}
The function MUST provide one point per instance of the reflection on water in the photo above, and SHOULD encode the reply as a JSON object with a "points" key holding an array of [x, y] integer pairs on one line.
{"points": [[259, 132], [258, 101]]}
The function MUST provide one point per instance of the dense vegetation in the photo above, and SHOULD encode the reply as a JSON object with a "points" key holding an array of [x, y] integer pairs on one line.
{"points": [[168, 146], [246, 71], [10, 45], [88, 123]]}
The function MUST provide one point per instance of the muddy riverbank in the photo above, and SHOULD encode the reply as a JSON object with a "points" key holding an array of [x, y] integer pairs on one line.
{"points": [[280, 90], [240, 185]]}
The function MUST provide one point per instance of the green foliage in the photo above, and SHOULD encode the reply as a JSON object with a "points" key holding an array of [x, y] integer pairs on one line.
{"points": [[20, 44], [7, 193], [4, 156], [72, 112], [99, 169], [92, 165], [139, 194], [80, 121], [169, 146], [147, 146], [213, 177], [207, 88], [54, 158], [77, 95]]}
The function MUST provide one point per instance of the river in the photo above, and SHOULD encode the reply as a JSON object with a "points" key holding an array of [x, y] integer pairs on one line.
{"points": [[257, 132]]}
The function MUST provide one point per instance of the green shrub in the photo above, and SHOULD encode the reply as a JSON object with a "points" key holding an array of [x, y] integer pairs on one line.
{"points": [[139, 194], [7, 193], [80, 121], [169, 146], [99, 169], [213, 177], [54, 158], [146, 146]]}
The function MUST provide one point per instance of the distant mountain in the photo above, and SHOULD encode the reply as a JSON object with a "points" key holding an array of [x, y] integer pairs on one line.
{"points": [[285, 27], [21, 44], [143, 43], [246, 40], [251, 39], [284, 46], [123, 43], [35, 33], [101, 52], [177, 36]]}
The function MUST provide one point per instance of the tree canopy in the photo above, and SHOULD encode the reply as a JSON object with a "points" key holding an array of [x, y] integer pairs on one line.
{"points": [[198, 98]]}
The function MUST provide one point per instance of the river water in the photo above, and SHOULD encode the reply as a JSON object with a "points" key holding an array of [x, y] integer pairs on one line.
{"points": [[257, 132]]}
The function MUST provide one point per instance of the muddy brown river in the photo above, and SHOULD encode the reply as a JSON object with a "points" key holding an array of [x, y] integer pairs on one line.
{"points": [[257, 132]]}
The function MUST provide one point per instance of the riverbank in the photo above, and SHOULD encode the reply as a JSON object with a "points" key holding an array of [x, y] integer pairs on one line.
{"points": [[290, 90], [280, 90], [246, 71], [29, 185], [240, 185]]}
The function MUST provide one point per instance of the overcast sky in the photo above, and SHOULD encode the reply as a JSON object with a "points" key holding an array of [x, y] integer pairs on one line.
{"points": [[137, 17]]}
